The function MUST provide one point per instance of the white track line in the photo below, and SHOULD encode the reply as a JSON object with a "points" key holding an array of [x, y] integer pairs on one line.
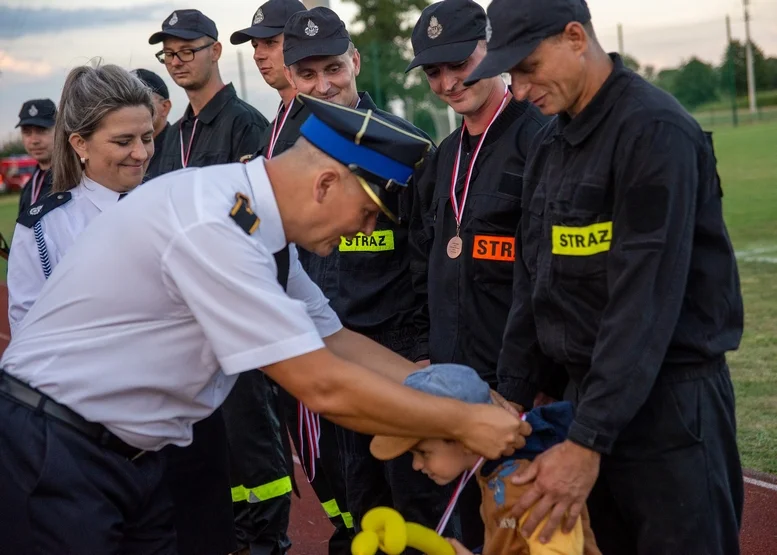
{"points": [[760, 483]]}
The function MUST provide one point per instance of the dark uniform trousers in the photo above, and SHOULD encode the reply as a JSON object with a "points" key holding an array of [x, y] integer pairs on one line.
{"points": [[197, 477], [328, 483], [76, 496], [261, 486], [680, 443]]}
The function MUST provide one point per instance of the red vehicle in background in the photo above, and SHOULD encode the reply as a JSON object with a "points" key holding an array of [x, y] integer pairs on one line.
{"points": [[15, 172]]}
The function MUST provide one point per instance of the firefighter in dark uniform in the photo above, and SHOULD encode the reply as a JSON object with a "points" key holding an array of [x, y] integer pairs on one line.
{"points": [[627, 287], [162, 105], [36, 118], [217, 126], [260, 459], [465, 243]]}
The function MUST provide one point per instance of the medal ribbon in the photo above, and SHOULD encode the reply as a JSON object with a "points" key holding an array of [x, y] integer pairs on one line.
{"points": [[275, 134], [37, 185], [185, 158], [459, 211], [309, 428], [457, 492]]}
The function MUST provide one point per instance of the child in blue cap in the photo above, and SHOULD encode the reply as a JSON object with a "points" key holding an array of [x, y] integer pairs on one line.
{"points": [[445, 460]]}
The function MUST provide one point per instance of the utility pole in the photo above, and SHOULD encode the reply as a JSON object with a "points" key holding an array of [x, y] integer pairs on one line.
{"points": [[732, 73], [620, 39], [242, 74], [749, 59]]}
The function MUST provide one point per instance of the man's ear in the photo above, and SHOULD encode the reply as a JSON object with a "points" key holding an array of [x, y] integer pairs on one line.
{"points": [[577, 37], [357, 62], [325, 184]]}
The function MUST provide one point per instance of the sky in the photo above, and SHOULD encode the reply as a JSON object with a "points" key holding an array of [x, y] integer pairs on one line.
{"points": [[41, 40]]}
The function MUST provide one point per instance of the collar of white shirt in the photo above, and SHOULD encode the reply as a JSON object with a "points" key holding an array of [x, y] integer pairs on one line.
{"points": [[102, 197], [265, 206]]}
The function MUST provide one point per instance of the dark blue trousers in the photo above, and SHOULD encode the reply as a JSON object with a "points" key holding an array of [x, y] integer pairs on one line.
{"points": [[62, 493]]}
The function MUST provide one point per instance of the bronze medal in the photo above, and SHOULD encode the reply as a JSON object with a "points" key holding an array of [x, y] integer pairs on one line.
{"points": [[454, 247]]}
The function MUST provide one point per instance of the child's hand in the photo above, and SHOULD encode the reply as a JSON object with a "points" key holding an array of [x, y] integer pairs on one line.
{"points": [[460, 549]]}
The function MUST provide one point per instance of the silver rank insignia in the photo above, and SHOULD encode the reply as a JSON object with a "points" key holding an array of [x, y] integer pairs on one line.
{"points": [[35, 211], [173, 19], [435, 29], [258, 16], [33, 111], [312, 29]]}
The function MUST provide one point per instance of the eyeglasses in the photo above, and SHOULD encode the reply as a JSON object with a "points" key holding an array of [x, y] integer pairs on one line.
{"points": [[185, 54]]}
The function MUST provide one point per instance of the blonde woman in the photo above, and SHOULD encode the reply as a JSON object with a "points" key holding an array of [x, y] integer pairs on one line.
{"points": [[103, 141]]}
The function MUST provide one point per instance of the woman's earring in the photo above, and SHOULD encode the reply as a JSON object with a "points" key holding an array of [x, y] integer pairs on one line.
{"points": [[83, 160]]}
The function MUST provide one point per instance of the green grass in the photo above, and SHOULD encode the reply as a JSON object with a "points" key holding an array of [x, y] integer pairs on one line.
{"points": [[763, 99], [748, 168], [747, 163], [9, 209]]}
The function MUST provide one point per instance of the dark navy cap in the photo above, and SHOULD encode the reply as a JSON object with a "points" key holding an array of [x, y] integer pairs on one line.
{"points": [[381, 154], [517, 27], [186, 25], [316, 32], [454, 381], [40, 112], [447, 32], [268, 21], [153, 82]]}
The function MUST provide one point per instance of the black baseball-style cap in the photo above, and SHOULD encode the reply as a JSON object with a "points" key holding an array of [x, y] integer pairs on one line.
{"points": [[153, 82], [186, 25], [381, 154], [517, 27], [447, 32], [268, 21], [316, 32], [40, 112]]}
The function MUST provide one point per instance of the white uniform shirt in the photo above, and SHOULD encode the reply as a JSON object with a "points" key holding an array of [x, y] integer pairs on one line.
{"points": [[60, 227], [163, 301]]}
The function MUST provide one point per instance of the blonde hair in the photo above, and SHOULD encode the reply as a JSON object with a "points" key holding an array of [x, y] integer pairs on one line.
{"points": [[90, 94]]}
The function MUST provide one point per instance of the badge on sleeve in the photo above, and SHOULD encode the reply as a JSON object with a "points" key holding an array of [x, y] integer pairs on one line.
{"points": [[243, 215], [45, 205]]}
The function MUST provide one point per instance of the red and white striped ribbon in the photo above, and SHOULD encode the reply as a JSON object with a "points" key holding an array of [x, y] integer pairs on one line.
{"points": [[309, 429]]}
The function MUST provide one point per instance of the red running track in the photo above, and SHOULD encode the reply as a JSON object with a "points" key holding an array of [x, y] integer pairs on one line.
{"points": [[310, 529]]}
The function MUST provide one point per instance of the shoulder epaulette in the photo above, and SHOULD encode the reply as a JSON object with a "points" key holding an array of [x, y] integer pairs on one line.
{"points": [[35, 212], [243, 215]]}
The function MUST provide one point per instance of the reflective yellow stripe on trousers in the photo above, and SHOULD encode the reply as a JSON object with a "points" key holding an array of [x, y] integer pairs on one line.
{"points": [[279, 487], [332, 510]]}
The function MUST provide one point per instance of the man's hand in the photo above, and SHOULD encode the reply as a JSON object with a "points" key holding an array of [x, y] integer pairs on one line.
{"points": [[500, 401], [423, 363], [562, 478], [458, 548], [492, 431]]}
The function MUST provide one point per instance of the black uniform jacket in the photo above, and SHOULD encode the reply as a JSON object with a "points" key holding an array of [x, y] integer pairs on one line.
{"points": [[25, 198], [159, 142], [626, 270], [227, 129], [469, 296]]}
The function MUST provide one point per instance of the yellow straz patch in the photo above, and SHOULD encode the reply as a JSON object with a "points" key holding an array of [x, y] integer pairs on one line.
{"points": [[582, 241], [377, 242]]}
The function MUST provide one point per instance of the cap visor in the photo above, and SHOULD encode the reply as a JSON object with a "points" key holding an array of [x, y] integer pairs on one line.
{"points": [[500, 61], [385, 448], [255, 32], [37, 122], [444, 54], [324, 48], [176, 33]]}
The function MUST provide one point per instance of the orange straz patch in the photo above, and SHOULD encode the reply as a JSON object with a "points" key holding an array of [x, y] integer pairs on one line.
{"points": [[490, 247]]}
